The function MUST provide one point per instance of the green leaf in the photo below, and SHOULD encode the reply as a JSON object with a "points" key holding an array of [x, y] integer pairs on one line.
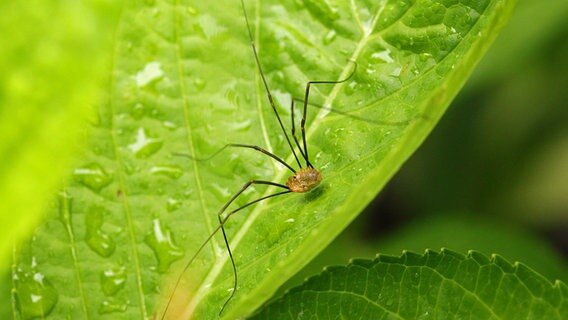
{"points": [[52, 55], [184, 81], [444, 285]]}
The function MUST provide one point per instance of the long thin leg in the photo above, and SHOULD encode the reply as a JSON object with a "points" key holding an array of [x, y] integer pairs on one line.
{"points": [[270, 98], [239, 145], [304, 115], [222, 222], [294, 129], [356, 117]]}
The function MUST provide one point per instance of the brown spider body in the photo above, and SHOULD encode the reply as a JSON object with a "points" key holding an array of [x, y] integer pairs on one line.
{"points": [[304, 180]]}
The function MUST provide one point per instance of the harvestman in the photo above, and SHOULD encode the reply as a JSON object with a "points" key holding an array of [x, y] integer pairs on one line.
{"points": [[302, 180]]}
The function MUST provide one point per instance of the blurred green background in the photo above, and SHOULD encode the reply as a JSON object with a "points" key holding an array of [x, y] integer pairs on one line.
{"points": [[493, 176]]}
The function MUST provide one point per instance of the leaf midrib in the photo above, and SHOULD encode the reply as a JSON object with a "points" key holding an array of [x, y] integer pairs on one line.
{"points": [[126, 204], [121, 173]]}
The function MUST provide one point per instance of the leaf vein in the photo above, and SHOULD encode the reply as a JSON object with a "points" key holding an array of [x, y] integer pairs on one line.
{"points": [[125, 196]]}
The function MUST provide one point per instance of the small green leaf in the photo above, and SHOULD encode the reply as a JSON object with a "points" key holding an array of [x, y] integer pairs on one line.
{"points": [[443, 285], [184, 81]]}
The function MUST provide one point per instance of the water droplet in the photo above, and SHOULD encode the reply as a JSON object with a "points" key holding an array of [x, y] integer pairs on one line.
{"points": [[222, 193], [241, 126], [396, 72], [384, 55], [351, 88], [35, 295], [199, 83], [112, 280], [329, 37], [160, 240], [278, 76], [96, 238], [129, 167], [145, 146], [138, 111], [151, 72], [173, 204], [173, 172], [92, 176], [187, 193], [291, 220], [111, 305], [169, 124]]}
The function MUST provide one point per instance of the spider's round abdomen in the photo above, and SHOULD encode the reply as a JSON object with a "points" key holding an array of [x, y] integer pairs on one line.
{"points": [[304, 180]]}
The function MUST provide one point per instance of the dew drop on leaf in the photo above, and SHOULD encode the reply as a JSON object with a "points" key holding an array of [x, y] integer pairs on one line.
{"points": [[96, 238], [329, 37], [151, 72], [145, 145], [173, 172], [199, 83], [138, 111], [111, 305], [35, 295], [170, 125], [92, 176], [220, 192], [172, 204], [112, 280], [384, 55], [350, 88], [161, 242], [242, 125]]}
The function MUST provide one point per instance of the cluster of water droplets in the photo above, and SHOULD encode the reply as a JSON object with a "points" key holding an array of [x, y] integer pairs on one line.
{"points": [[97, 239]]}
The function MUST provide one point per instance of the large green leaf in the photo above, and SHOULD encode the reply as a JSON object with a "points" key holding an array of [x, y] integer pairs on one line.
{"points": [[435, 285], [184, 80]]}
